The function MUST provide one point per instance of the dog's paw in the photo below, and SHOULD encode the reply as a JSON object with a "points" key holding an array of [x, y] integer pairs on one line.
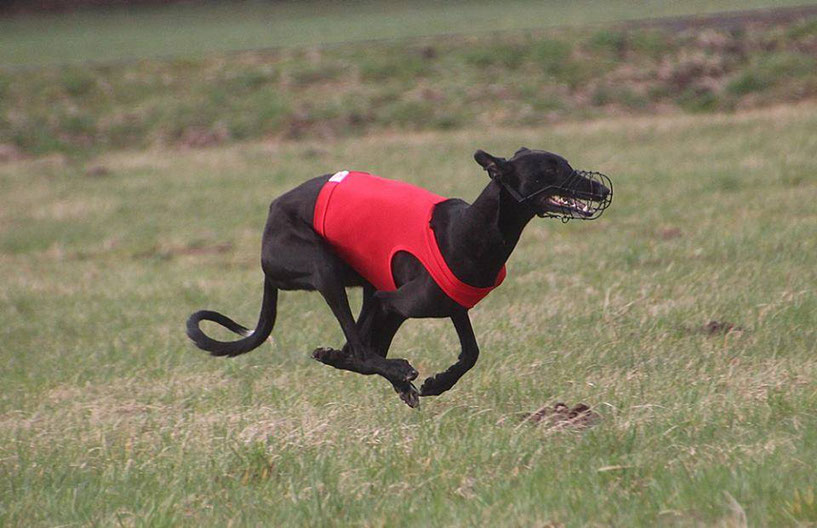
{"points": [[428, 388], [407, 372], [409, 395], [433, 386], [321, 353], [328, 356]]}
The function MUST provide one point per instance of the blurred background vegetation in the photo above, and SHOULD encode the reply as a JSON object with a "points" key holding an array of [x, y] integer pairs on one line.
{"points": [[83, 80]]}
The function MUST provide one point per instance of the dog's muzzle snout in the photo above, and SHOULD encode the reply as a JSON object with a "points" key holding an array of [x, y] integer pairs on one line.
{"points": [[590, 194]]}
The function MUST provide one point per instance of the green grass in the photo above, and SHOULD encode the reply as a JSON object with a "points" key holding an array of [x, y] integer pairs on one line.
{"points": [[109, 416], [443, 83], [194, 29]]}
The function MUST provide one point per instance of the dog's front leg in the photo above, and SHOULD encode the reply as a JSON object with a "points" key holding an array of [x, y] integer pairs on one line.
{"points": [[439, 383]]}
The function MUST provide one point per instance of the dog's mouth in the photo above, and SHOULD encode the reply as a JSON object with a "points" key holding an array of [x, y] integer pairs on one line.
{"points": [[584, 195], [569, 206]]}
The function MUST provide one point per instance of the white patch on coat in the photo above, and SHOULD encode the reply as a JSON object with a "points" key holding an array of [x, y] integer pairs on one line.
{"points": [[338, 176]]}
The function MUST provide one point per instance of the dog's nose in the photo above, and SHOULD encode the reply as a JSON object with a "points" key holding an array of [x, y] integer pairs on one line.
{"points": [[599, 189]]}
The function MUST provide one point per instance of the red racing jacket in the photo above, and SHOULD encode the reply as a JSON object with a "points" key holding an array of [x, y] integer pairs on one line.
{"points": [[367, 219]]}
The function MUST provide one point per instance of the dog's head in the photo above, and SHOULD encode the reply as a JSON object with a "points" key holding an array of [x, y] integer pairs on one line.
{"points": [[547, 184]]}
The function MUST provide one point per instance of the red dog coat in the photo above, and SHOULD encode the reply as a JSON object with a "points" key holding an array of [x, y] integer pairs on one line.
{"points": [[367, 219]]}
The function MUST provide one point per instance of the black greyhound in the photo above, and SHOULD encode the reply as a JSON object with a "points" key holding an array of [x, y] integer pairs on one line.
{"points": [[475, 240]]}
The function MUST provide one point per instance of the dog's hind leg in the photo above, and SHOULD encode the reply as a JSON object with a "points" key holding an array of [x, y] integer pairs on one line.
{"points": [[387, 311], [366, 304], [383, 334], [439, 383], [358, 356], [377, 328], [383, 330]]}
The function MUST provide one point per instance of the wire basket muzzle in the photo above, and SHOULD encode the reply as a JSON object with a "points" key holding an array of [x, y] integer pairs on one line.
{"points": [[587, 194]]}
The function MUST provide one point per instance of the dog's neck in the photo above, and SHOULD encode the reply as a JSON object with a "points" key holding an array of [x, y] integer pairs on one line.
{"points": [[495, 209], [486, 233]]}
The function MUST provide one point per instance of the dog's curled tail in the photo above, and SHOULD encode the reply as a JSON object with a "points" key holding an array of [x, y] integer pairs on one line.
{"points": [[252, 339]]}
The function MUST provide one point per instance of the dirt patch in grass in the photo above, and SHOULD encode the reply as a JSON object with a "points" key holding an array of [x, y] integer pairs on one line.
{"points": [[98, 171], [561, 416], [200, 137], [669, 233], [720, 327], [712, 328], [10, 153]]}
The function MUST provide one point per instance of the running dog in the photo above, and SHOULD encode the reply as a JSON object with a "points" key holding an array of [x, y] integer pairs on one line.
{"points": [[416, 254]]}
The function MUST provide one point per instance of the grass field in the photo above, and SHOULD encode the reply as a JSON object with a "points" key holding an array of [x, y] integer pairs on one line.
{"points": [[194, 29], [109, 416]]}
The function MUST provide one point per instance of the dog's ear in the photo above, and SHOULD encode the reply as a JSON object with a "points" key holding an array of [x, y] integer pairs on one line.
{"points": [[495, 166], [521, 150]]}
